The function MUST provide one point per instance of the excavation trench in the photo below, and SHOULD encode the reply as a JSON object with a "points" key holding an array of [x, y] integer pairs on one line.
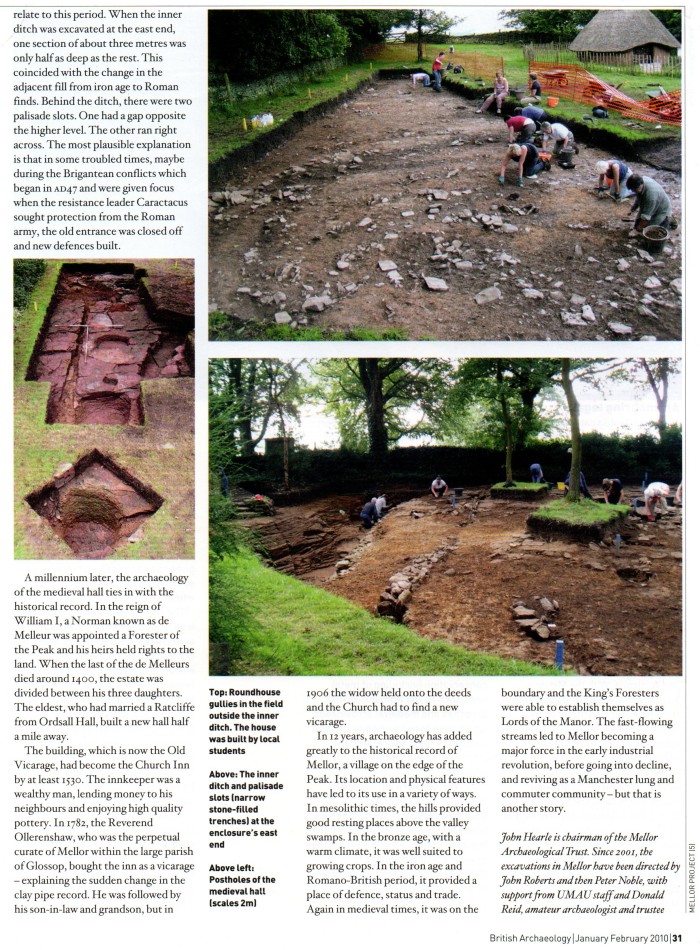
{"points": [[95, 505], [469, 564], [101, 337]]}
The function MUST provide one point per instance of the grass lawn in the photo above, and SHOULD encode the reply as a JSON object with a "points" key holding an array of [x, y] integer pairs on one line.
{"points": [[584, 512], [521, 486], [276, 625]]}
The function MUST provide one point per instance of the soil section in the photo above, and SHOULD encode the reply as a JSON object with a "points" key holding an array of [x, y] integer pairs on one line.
{"points": [[102, 336], [619, 613], [349, 223], [94, 505]]}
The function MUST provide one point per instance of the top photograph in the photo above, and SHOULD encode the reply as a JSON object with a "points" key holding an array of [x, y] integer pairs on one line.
{"points": [[470, 174]]}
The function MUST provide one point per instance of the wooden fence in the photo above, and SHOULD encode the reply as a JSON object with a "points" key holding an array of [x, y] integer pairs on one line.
{"points": [[560, 55]]}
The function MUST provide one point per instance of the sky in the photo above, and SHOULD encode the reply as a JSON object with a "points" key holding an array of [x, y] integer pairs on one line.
{"points": [[474, 19]]}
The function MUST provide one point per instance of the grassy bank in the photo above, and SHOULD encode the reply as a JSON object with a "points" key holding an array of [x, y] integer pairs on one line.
{"points": [[223, 327], [274, 625], [226, 132]]}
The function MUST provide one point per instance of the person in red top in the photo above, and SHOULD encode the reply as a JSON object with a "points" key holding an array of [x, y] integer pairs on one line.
{"points": [[437, 72], [520, 129]]}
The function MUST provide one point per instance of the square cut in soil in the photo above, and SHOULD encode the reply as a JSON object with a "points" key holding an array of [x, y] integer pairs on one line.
{"points": [[102, 336], [95, 505]]}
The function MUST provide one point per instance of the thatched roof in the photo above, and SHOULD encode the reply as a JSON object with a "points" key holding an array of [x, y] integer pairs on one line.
{"points": [[616, 31]]}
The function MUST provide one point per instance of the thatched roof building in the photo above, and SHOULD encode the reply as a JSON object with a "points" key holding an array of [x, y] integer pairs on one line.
{"points": [[625, 36]]}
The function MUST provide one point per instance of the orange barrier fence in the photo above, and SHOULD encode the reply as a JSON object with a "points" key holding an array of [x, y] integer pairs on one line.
{"points": [[476, 65], [575, 82]]}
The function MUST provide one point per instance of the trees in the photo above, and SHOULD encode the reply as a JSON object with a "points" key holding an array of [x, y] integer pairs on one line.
{"points": [[430, 26], [249, 44], [372, 399], [574, 493], [370, 26], [245, 398], [658, 373], [672, 20], [554, 25], [493, 401]]}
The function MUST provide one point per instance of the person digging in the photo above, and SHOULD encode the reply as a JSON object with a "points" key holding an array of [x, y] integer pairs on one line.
{"points": [[529, 162]]}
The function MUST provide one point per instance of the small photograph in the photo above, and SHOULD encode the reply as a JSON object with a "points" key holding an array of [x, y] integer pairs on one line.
{"points": [[104, 409], [408, 175], [433, 517]]}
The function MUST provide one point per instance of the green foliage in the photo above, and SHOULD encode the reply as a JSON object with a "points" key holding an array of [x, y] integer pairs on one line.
{"points": [[430, 25], [370, 26], [26, 277], [472, 412], [557, 25], [672, 20], [407, 393], [245, 398], [279, 626], [247, 44]]}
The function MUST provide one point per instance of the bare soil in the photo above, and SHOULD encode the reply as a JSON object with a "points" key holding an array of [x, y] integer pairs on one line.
{"points": [[619, 613], [315, 216]]}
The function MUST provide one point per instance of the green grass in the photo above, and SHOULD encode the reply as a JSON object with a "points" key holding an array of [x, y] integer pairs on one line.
{"points": [[276, 625], [584, 512], [226, 133], [521, 486], [221, 328], [516, 69], [29, 321]]}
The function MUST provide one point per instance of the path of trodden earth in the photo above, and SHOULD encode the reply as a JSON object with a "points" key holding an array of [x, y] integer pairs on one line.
{"points": [[350, 222]]}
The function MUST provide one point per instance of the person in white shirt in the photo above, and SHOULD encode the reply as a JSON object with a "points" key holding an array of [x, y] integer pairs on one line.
{"points": [[655, 496], [560, 137], [438, 487]]}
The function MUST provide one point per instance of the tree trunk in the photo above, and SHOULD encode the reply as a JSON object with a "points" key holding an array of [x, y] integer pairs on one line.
{"points": [[371, 379], [574, 493], [419, 31], [660, 390], [244, 393], [508, 426]]}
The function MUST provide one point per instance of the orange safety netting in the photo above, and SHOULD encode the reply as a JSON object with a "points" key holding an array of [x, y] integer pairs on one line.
{"points": [[575, 82]]}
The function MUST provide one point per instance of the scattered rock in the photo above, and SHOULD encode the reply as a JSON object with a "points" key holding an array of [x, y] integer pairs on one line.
{"points": [[435, 283], [317, 304], [620, 328], [386, 266], [282, 317], [489, 295], [572, 319]]}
